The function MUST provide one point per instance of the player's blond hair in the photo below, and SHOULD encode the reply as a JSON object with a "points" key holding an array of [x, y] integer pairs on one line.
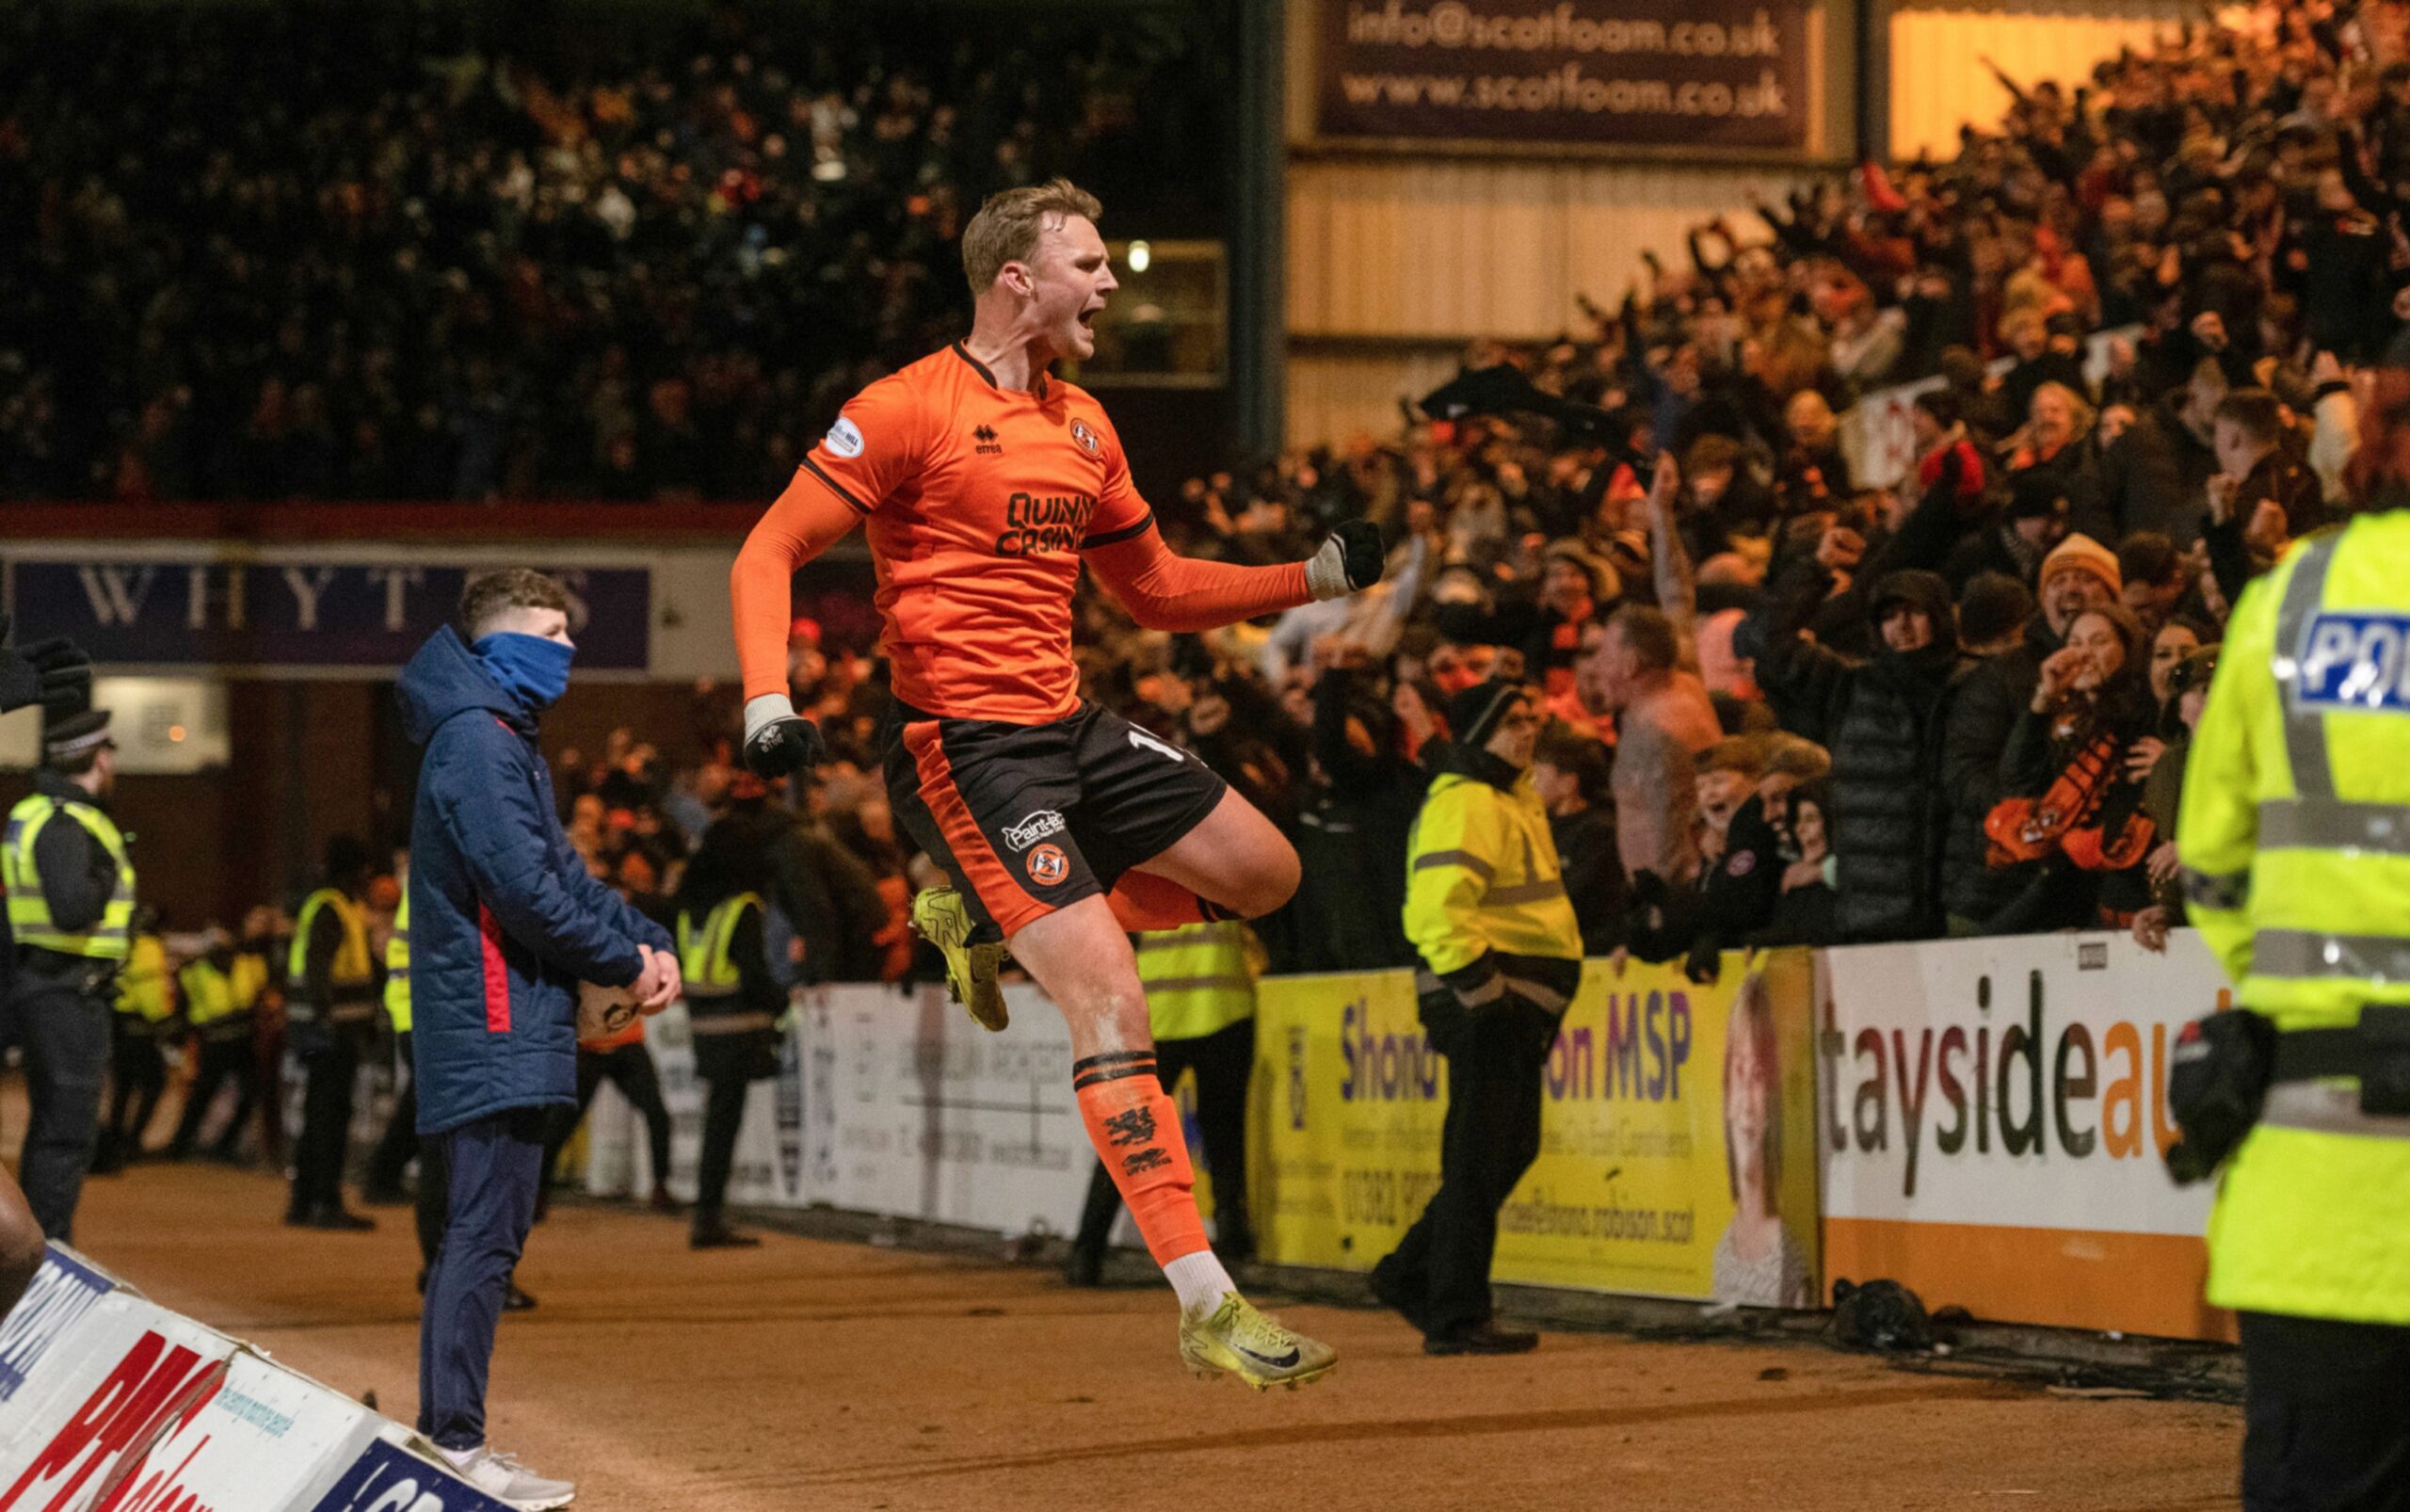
{"points": [[1006, 228]]}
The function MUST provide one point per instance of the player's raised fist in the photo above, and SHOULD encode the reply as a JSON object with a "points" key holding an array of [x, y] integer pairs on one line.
{"points": [[1349, 562], [779, 741]]}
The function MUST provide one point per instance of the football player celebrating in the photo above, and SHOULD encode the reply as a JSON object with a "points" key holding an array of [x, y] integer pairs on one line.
{"points": [[983, 483]]}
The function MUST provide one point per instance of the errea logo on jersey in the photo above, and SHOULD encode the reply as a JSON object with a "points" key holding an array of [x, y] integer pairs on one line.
{"points": [[2358, 662], [845, 439], [1087, 437]]}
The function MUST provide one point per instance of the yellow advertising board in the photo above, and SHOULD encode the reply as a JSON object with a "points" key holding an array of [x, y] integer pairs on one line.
{"points": [[1677, 1154]]}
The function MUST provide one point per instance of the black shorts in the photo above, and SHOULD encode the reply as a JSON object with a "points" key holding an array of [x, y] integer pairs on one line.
{"points": [[1032, 818]]}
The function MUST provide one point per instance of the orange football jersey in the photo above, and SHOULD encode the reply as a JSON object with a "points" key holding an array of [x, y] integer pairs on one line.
{"points": [[978, 501]]}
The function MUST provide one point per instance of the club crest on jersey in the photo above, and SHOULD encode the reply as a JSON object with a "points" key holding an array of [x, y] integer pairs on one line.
{"points": [[845, 439], [1032, 828], [1087, 437], [1048, 865]]}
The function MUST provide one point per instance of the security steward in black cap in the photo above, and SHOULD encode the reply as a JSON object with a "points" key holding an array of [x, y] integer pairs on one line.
{"points": [[71, 912]]}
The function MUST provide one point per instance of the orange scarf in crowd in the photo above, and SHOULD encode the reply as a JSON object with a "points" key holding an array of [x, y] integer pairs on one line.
{"points": [[2068, 818]]}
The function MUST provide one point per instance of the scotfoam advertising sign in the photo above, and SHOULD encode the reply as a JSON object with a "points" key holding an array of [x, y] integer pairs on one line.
{"points": [[1677, 1133], [1993, 1114]]}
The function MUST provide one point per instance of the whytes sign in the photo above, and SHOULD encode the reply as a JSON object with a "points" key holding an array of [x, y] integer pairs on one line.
{"points": [[1710, 73], [296, 614]]}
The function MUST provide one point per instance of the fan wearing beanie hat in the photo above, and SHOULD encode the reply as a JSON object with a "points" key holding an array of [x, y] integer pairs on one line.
{"points": [[2079, 552], [1473, 714], [2079, 574]]}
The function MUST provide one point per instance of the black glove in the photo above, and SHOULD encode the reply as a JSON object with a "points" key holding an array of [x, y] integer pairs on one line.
{"points": [[54, 673], [1704, 961], [783, 746], [1350, 561]]}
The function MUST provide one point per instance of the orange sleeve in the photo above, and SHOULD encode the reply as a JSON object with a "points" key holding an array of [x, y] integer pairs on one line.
{"points": [[808, 518], [1164, 591], [873, 447]]}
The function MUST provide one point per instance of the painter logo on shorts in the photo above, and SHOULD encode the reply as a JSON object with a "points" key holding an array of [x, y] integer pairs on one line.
{"points": [[845, 439], [1032, 828], [1048, 865]]}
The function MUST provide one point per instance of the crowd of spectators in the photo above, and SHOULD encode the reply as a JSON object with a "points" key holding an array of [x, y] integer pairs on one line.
{"points": [[457, 252], [1792, 704], [1788, 704]]}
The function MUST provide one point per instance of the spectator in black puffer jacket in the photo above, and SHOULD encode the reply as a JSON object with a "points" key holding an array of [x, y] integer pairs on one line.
{"points": [[1882, 721]]}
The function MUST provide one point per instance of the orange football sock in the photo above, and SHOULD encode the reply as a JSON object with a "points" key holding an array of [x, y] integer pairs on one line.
{"points": [[1135, 1128], [1143, 901]]}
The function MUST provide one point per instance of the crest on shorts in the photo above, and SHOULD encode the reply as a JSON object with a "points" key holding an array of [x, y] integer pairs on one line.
{"points": [[1087, 437], [1048, 865]]}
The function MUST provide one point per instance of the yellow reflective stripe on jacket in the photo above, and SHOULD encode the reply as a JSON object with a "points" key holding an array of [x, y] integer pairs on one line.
{"points": [[142, 986], [1200, 978], [29, 920], [702, 953], [351, 967], [397, 968], [1483, 876], [2295, 839]]}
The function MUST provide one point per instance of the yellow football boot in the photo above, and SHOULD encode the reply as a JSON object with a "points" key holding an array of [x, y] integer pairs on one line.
{"points": [[939, 915], [1240, 1340]]}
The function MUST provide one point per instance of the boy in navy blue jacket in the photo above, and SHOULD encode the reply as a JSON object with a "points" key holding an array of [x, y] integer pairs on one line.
{"points": [[505, 924]]}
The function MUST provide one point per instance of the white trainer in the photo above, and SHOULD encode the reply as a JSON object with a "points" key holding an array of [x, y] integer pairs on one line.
{"points": [[505, 1479]]}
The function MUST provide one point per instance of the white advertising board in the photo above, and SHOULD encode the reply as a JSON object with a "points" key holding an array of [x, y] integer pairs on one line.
{"points": [[1992, 1117], [260, 1436], [136, 1372]]}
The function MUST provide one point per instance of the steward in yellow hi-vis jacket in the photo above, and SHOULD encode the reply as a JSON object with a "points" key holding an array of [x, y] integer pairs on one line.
{"points": [[146, 1007], [399, 1145], [330, 1009], [1200, 1002], [1501, 955], [221, 989], [2295, 839]]}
